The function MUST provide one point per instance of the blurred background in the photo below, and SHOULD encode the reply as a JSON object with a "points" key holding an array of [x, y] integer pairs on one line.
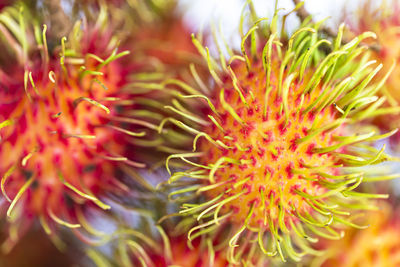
{"points": [[199, 13]]}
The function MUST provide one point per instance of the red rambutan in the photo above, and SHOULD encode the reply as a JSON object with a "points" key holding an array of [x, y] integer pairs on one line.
{"points": [[64, 140]]}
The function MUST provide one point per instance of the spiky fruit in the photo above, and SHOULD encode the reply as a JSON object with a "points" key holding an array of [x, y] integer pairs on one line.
{"points": [[162, 53], [176, 252], [276, 152], [63, 139], [376, 246], [385, 22], [163, 36], [154, 31], [167, 250]]}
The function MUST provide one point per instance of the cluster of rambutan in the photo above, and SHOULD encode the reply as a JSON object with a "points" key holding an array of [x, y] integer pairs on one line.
{"points": [[270, 150]]}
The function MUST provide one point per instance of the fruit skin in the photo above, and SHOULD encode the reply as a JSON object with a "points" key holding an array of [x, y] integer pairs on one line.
{"points": [[376, 246], [164, 37], [70, 169], [63, 144], [146, 248], [267, 147], [162, 54], [153, 30], [385, 22], [273, 144], [180, 254]]}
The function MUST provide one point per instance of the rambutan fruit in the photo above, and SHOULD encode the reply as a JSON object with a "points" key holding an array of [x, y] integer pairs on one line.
{"points": [[376, 246], [174, 251], [163, 36], [385, 22], [136, 248], [277, 144], [162, 51], [64, 139], [153, 30]]}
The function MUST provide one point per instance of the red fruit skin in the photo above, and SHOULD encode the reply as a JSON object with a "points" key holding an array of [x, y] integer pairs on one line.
{"points": [[169, 42], [196, 256], [58, 135], [52, 125]]}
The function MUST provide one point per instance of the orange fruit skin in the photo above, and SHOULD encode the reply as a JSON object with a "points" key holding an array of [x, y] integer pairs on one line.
{"points": [[267, 146]]}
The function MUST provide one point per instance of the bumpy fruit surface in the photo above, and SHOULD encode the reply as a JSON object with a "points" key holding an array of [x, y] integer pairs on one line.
{"points": [[64, 138], [179, 254], [140, 248], [266, 148], [272, 145]]}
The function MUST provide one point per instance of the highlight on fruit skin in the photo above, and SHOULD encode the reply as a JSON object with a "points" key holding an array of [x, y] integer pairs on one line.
{"points": [[277, 143], [376, 246], [64, 143], [385, 22]]}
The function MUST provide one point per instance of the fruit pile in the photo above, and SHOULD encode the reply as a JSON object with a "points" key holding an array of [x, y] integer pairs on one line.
{"points": [[126, 141]]}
